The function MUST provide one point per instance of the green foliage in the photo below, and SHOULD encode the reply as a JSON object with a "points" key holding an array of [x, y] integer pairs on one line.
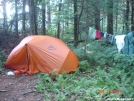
{"points": [[86, 86], [84, 65], [2, 60], [102, 53], [124, 61], [51, 31]]}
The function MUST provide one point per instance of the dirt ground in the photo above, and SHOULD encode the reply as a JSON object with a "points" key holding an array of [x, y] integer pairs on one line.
{"points": [[18, 87]]}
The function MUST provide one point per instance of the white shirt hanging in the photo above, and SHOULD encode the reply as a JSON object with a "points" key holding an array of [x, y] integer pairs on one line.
{"points": [[120, 41]]}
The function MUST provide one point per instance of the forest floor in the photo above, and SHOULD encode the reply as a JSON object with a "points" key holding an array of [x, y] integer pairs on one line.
{"points": [[18, 87]]}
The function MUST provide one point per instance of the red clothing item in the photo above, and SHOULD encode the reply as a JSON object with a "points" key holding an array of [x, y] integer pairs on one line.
{"points": [[98, 35]]}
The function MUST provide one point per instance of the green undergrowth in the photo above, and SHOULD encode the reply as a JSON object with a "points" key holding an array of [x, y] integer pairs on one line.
{"points": [[2, 60], [102, 74]]}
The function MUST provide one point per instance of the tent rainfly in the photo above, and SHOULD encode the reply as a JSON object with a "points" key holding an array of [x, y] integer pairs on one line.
{"points": [[40, 53]]}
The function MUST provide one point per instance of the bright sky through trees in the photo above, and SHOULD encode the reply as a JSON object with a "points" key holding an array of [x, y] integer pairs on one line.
{"points": [[9, 10]]}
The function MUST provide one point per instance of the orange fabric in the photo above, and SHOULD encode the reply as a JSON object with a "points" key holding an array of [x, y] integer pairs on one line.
{"points": [[42, 54], [17, 72], [70, 64]]}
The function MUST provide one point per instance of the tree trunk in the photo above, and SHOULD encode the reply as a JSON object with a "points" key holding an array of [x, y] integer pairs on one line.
{"points": [[44, 19], [30, 16], [127, 16], [110, 17], [35, 18], [87, 27], [116, 16], [97, 15], [32, 10], [97, 19], [16, 18], [75, 24], [48, 13], [24, 17], [79, 17], [5, 16], [58, 29], [132, 15]]}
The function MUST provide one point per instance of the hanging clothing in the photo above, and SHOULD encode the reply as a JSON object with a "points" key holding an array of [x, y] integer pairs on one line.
{"points": [[105, 35], [102, 34], [120, 42], [125, 48], [92, 33], [109, 37], [98, 35], [129, 44]]}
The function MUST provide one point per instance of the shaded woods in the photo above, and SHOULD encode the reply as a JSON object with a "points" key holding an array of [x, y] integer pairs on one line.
{"points": [[63, 18]]}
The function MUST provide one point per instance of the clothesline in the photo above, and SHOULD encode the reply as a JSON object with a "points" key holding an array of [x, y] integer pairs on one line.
{"points": [[124, 43], [96, 34]]}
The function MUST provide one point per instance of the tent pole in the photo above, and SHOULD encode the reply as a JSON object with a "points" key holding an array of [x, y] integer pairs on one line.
{"points": [[27, 56]]}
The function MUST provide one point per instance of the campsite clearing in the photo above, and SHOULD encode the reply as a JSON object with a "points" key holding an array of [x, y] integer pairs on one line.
{"points": [[18, 88]]}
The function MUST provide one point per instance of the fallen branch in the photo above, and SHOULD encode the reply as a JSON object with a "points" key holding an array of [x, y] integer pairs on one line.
{"points": [[28, 92], [3, 90], [73, 41]]}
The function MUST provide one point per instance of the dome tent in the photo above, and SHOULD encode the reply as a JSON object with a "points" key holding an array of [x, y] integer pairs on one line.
{"points": [[40, 53]]}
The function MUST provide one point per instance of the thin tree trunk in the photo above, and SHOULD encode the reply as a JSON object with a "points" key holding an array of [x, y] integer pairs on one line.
{"points": [[58, 29], [5, 16], [116, 23], [87, 27], [132, 15], [82, 4], [116, 17], [16, 18], [44, 19], [127, 16], [97, 15], [24, 17], [62, 36], [110, 17], [102, 25], [33, 18], [48, 13], [75, 24]]}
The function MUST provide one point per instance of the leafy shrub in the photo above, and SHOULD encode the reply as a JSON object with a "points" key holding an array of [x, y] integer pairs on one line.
{"points": [[124, 61], [84, 65], [8, 40]]}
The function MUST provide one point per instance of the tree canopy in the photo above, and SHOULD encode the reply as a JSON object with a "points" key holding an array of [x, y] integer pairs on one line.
{"points": [[62, 18]]}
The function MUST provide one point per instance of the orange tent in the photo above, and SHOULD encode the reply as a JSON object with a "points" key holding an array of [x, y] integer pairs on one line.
{"points": [[40, 53]]}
